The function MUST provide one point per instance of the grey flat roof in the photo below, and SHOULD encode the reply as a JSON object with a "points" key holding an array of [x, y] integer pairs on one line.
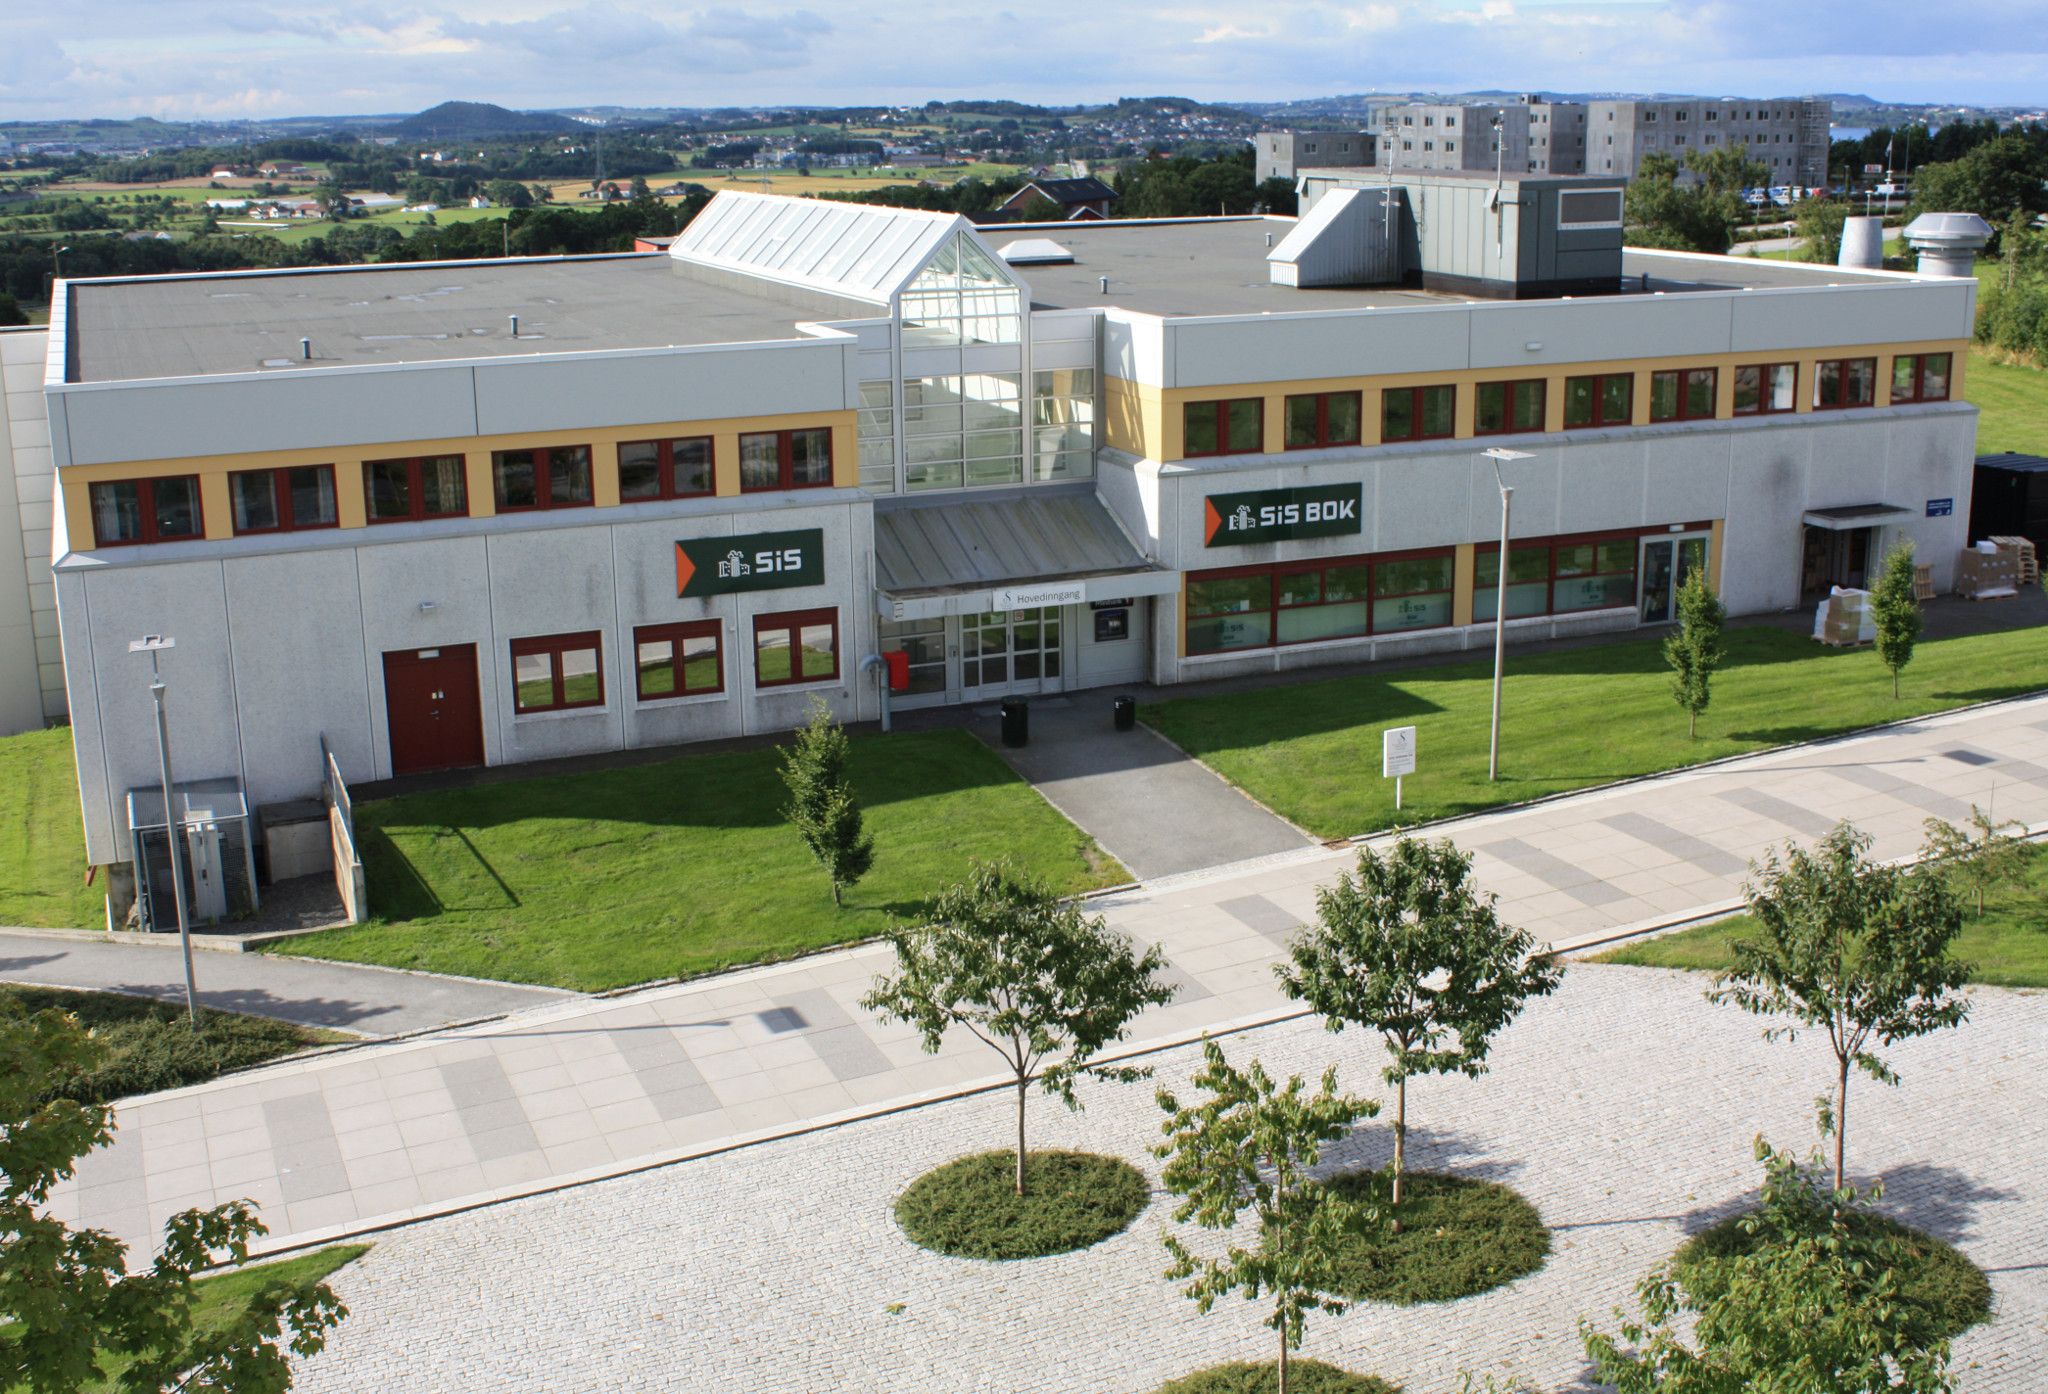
{"points": [[943, 544], [1217, 266], [180, 326]]}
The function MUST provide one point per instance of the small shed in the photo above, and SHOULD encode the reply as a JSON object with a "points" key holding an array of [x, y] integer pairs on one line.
{"points": [[218, 853], [2009, 498]]}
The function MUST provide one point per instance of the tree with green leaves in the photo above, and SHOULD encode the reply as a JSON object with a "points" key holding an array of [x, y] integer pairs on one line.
{"points": [[1411, 949], [1895, 611], [1028, 975], [1694, 652], [1978, 858], [1853, 948], [1812, 1306], [822, 804], [1250, 1147], [1819, 223], [68, 1299], [1698, 214]]}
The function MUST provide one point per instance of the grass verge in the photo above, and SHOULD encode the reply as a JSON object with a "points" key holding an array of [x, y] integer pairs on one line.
{"points": [[2012, 403], [1311, 752], [151, 1046], [1262, 1377], [611, 877], [42, 837], [970, 1208], [1943, 1293], [2006, 946], [1459, 1237], [224, 1296]]}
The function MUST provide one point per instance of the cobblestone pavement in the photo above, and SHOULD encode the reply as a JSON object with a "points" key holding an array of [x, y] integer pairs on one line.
{"points": [[1623, 1107], [581, 1088]]}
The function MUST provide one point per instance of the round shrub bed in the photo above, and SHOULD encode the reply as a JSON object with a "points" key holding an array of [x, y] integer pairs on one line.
{"points": [[1458, 1237], [1945, 1293], [970, 1208], [1303, 1377]]}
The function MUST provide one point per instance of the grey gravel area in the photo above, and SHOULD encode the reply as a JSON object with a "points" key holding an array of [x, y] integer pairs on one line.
{"points": [[1623, 1107]]}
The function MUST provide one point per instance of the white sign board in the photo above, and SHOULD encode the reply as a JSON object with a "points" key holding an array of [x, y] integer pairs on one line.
{"points": [[1397, 752], [1030, 597]]}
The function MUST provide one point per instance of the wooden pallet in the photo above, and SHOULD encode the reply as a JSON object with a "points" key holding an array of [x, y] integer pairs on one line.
{"points": [[1923, 583], [2020, 547]]}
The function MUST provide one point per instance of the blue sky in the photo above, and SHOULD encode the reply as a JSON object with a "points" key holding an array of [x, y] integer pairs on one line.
{"points": [[237, 58]]}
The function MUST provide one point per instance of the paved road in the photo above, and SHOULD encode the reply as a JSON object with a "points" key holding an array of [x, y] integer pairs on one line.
{"points": [[579, 1089], [372, 1001], [773, 1270], [1150, 805]]}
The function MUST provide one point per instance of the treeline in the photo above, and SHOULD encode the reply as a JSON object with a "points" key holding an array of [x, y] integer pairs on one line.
{"points": [[2012, 306], [1906, 148], [1187, 186], [359, 164]]}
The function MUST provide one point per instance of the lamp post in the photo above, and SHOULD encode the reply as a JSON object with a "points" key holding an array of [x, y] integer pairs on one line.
{"points": [[1498, 455], [154, 644]]}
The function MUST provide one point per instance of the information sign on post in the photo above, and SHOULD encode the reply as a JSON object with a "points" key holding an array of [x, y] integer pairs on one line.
{"points": [[1397, 756]]}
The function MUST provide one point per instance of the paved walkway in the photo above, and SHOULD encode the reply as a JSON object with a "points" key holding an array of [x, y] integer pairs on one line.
{"points": [[581, 1089], [1152, 806], [372, 1001], [775, 1270]]}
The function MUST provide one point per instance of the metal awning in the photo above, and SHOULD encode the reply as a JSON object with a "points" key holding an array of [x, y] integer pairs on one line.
{"points": [[1052, 544], [1855, 515]]}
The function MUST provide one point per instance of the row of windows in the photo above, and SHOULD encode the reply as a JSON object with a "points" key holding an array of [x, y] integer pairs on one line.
{"points": [[1257, 607], [1237, 426], [563, 672], [296, 499]]}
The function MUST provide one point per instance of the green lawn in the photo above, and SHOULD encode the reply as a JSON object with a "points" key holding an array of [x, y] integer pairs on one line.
{"points": [[2007, 945], [1588, 716], [224, 1296], [42, 838], [597, 880], [2012, 400]]}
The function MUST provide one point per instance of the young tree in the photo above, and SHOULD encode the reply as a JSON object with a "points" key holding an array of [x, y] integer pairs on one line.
{"points": [[1412, 950], [1979, 858], [1809, 1308], [1855, 948], [1694, 651], [1251, 1147], [67, 1298], [1895, 611], [1028, 975], [1819, 222], [822, 803]]}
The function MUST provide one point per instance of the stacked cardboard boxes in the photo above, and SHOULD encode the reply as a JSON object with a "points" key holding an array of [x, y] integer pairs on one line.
{"points": [[1987, 571], [1845, 618]]}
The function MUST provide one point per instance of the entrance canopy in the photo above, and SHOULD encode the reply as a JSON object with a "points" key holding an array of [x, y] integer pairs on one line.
{"points": [[1005, 550], [1855, 515]]}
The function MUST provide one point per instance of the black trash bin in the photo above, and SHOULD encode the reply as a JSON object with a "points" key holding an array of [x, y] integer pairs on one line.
{"points": [[1016, 721], [1125, 712]]}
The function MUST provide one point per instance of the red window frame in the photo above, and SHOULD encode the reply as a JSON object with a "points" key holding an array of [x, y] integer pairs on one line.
{"points": [[281, 494], [1322, 435], [1598, 385], [793, 623], [1551, 545], [674, 635], [665, 469], [552, 647], [415, 490], [1843, 376], [145, 509], [1763, 405], [1512, 390], [1683, 379], [1275, 574], [543, 479], [1222, 409], [1919, 362], [785, 454], [1416, 414]]}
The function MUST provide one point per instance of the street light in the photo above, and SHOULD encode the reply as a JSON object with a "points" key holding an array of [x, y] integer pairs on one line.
{"points": [[154, 644], [1499, 455]]}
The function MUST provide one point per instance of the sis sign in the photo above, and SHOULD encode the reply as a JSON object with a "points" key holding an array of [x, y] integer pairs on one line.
{"points": [[1280, 515], [759, 561]]}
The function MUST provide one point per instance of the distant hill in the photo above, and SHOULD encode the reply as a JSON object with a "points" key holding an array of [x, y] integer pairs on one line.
{"points": [[457, 120]]}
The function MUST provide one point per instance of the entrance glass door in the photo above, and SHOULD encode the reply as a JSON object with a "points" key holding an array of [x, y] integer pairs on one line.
{"points": [[1009, 651], [1666, 562]]}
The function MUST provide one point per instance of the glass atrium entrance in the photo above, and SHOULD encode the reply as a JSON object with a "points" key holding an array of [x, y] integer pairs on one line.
{"points": [[1009, 652]]}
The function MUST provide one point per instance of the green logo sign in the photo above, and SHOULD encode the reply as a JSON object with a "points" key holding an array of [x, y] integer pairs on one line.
{"points": [[1279, 515], [757, 561]]}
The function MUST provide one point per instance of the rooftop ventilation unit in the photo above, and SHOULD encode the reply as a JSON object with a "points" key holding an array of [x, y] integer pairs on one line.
{"points": [[1351, 237], [1948, 243], [1034, 251]]}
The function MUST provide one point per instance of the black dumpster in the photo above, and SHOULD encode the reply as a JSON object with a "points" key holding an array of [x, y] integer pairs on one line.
{"points": [[1125, 712], [1016, 721]]}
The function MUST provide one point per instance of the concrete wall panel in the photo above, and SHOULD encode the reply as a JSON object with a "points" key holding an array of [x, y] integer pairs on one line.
{"points": [[1282, 347], [562, 395], [394, 580]]}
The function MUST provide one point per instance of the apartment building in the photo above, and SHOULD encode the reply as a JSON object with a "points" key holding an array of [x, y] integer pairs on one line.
{"points": [[488, 512], [1278, 154], [1557, 137], [1788, 135], [1445, 136]]}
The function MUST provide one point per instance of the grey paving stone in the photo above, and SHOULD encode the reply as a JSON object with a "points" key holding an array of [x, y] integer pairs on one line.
{"points": [[2007, 765], [488, 1108], [1693, 851], [1256, 912], [1186, 986], [309, 1162], [1555, 872], [662, 1066], [1906, 791], [1791, 815]]}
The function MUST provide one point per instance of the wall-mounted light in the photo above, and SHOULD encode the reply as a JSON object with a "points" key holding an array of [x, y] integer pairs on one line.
{"points": [[427, 607], [1533, 346]]}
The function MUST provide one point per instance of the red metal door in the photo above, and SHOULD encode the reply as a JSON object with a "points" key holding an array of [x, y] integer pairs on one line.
{"points": [[430, 699]]}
